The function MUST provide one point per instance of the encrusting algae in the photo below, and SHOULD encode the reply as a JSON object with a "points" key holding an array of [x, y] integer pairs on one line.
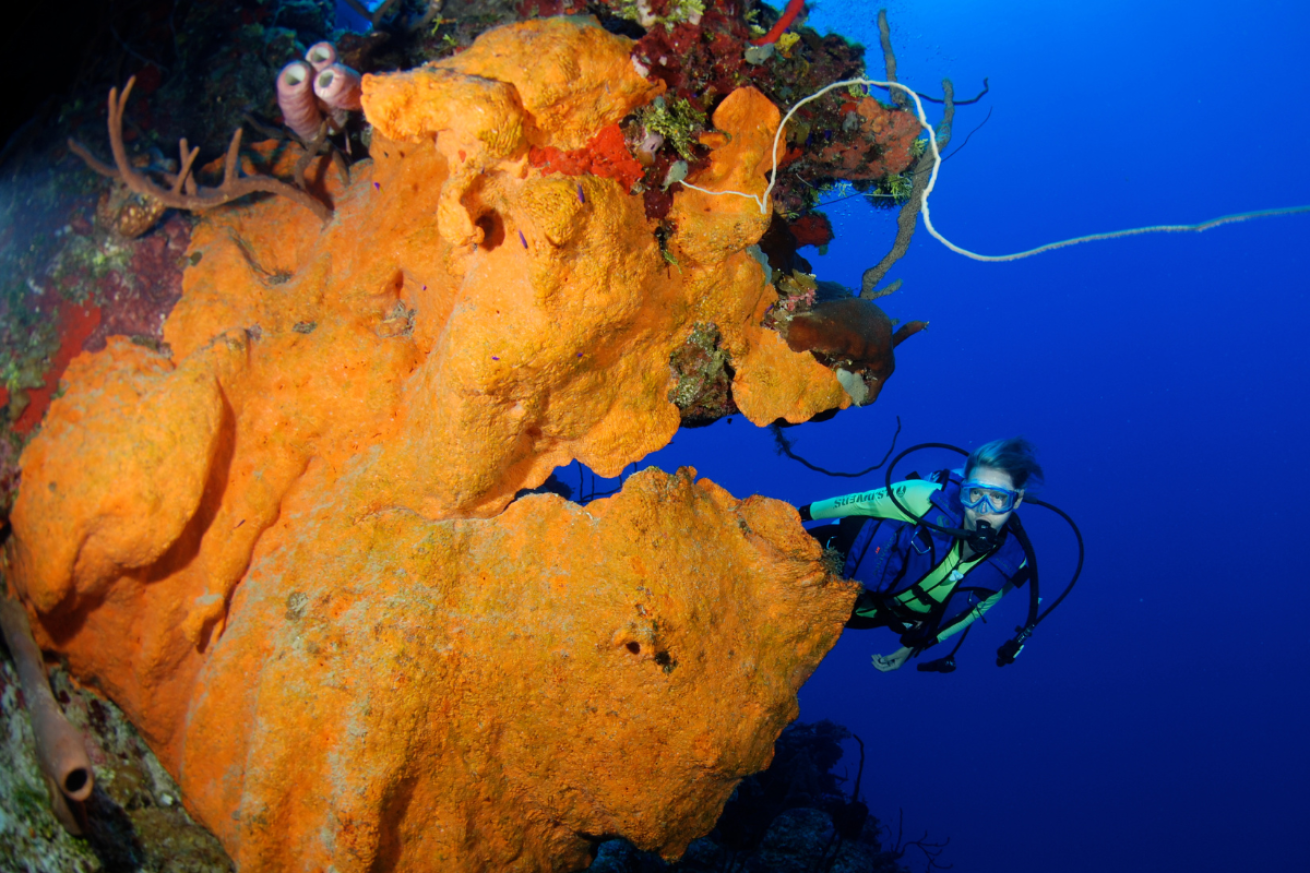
{"points": [[288, 550]]}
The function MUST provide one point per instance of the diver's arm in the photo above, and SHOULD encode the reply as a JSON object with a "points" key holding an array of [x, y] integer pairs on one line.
{"points": [[887, 663], [961, 621], [915, 495]]}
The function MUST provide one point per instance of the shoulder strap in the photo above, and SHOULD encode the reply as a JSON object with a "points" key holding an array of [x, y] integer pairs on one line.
{"points": [[944, 573]]}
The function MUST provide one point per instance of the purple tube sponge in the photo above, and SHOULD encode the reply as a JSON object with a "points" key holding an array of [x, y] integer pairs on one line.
{"points": [[295, 96], [338, 87], [321, 55]]}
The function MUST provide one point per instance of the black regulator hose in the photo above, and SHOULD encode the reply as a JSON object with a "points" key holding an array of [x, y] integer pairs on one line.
{"points": [[1078, 569], [958, 533]]}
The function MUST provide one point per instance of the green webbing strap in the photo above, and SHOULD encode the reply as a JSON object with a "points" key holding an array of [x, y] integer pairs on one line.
{"points": [[936, 578]]}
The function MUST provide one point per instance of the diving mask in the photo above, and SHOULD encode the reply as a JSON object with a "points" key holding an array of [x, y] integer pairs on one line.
{"points": [[987, 499]]}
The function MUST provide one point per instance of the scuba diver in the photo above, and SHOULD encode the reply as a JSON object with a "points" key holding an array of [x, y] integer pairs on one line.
{"points": [[936, 554]]}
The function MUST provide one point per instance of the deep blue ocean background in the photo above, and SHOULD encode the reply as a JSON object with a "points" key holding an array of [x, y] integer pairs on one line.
{"points": [[1158, 720]]}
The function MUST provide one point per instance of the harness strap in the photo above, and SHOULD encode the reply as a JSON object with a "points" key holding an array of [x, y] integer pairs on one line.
{"points": [[873, 610], [946, 575]]}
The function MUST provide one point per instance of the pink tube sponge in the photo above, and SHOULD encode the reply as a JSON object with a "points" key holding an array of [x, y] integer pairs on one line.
{"points": [[338, 87], [295, 96], [321, 55]]}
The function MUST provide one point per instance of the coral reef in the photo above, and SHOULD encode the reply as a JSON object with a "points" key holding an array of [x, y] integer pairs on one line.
{"points": [[606, 155], [183, 192], [303, 525], [60, 749], [72, 325], [135, 299], [218, 76], [703, 394], [883, 147], [127, 213], [784, 21], [133, 820], [286, 542], [813, 229], [794, 816], [70, 283]]}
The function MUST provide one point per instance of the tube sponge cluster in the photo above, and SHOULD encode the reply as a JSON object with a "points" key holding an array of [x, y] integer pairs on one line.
{"points": [[318, 86]]}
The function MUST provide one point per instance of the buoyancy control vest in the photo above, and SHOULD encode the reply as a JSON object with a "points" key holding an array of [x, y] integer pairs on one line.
{"points": [[911, 571]]}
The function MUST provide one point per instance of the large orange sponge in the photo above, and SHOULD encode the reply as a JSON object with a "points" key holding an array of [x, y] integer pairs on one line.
{"points": [[283, 545], [483, 694]]}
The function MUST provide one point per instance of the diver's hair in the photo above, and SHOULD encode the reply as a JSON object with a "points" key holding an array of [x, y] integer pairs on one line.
{"points": [[1015, 455]]}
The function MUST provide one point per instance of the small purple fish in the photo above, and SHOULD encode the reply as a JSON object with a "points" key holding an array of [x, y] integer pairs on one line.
{"points": [[523, 239], [582, 198], [377, 186], [494, 358]]}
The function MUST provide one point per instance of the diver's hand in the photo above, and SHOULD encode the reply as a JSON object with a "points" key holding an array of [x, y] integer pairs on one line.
{"points": [[887, 663]]}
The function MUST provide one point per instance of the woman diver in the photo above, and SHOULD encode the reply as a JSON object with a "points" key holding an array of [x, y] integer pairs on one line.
{"points": [[913, 548]]}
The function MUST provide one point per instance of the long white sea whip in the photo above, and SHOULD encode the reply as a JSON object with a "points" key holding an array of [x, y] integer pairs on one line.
{"points": [[763, 200]]}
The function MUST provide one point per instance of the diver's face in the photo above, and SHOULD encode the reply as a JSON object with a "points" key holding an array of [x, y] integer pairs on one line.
{"points": [[996, 478]]}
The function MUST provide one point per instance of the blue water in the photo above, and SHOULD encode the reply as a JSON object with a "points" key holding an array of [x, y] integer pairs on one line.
{"points": [[1158, 720]]}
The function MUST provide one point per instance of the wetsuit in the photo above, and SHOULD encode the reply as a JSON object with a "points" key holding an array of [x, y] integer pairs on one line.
{"points": [[916, 581]]}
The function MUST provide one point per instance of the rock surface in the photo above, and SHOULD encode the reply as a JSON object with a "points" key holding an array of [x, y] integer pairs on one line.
{"points": [[133, 819], [795, 817]]}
